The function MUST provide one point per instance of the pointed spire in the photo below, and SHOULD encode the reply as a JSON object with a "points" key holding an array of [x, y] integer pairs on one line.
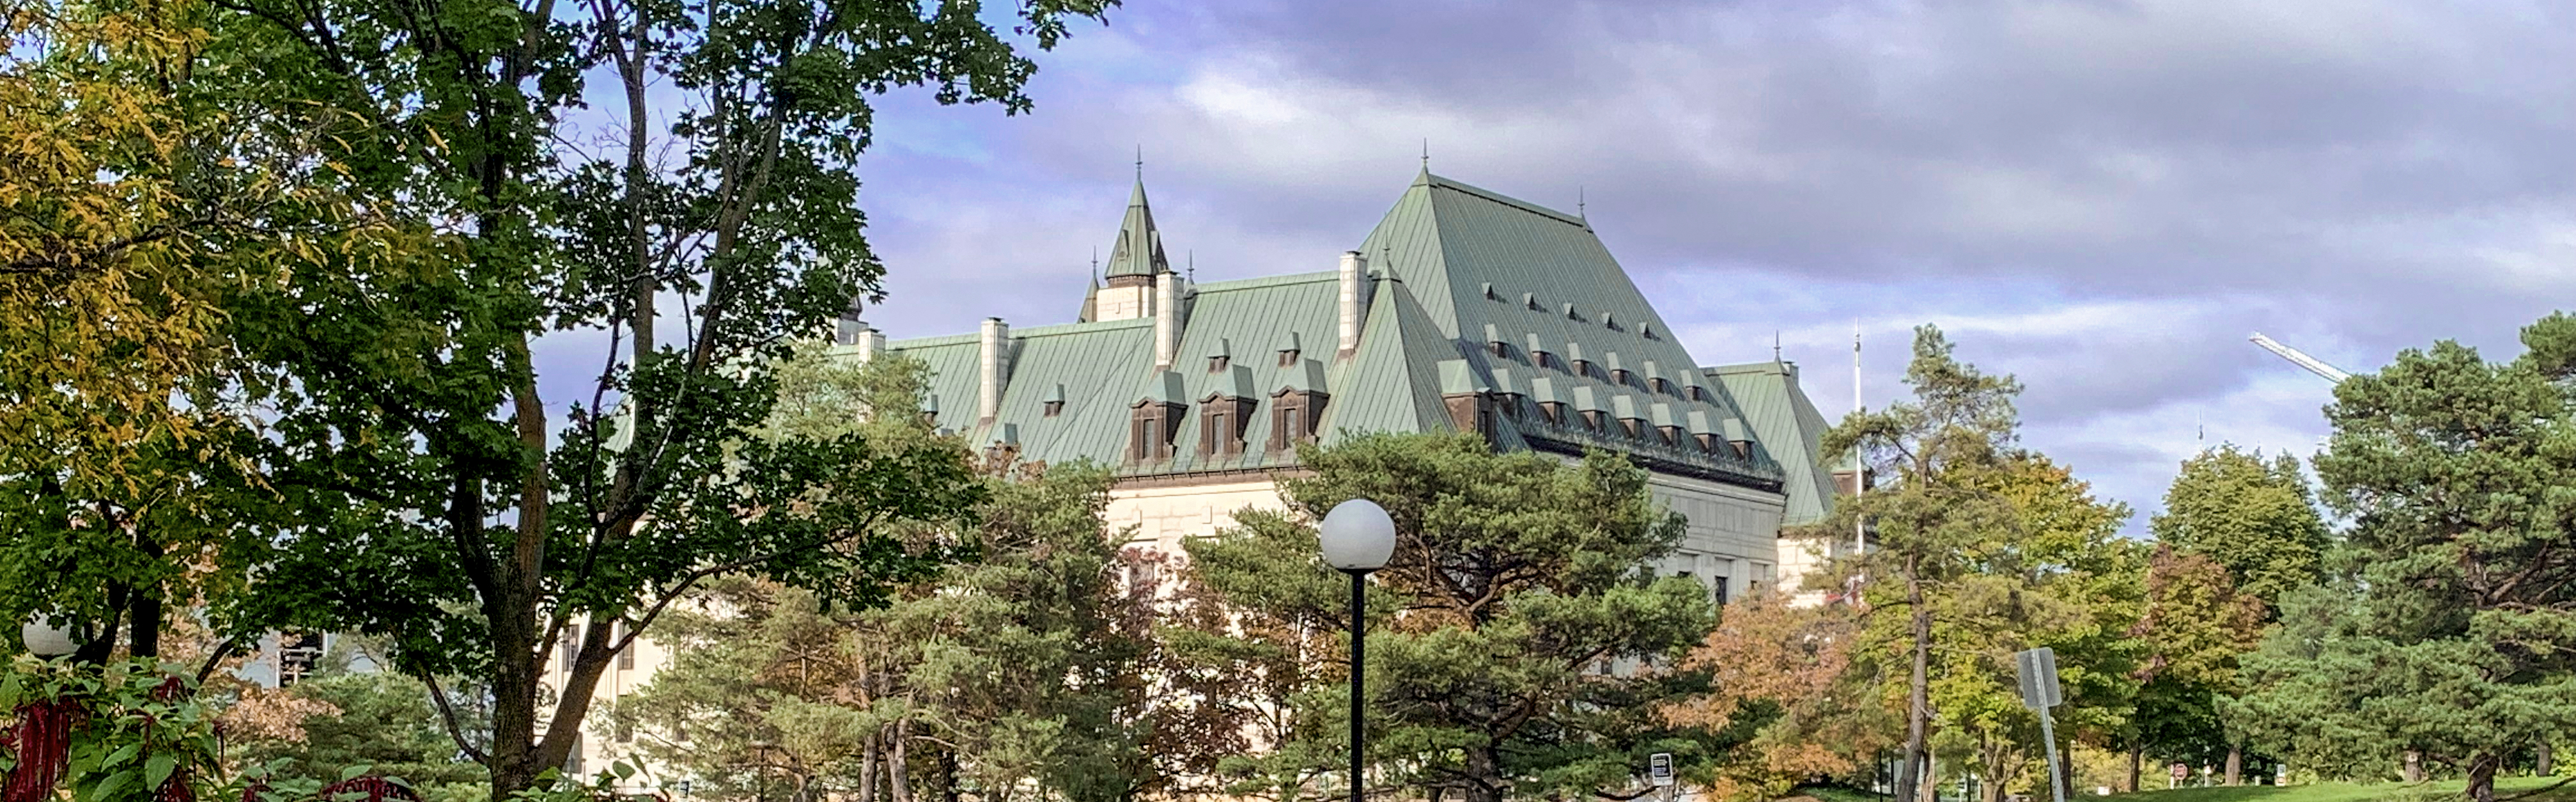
{"points": [[1139, 250]]}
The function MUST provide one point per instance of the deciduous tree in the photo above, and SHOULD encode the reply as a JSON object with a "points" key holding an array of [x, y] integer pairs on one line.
{"points": [[2256, 517], [442, 498]]}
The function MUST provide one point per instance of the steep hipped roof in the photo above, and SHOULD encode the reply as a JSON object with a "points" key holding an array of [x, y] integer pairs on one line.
{"points": [[1460, 278], [1780, 414], [1139, 250]]}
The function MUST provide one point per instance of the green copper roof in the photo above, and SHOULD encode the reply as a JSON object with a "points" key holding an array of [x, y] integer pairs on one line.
{"points": [[1781, 417], [1465, 286], [1139, 250]]}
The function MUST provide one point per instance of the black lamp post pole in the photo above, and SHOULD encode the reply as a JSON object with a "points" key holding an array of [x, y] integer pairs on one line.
{"points": [[1359, 653]]}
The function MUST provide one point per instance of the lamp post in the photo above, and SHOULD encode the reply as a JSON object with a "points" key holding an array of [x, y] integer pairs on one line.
{"points": [[45, 640], [1357, 537]]}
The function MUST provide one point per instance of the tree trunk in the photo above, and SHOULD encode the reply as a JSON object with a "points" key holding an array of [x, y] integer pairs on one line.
{"points": [[2410, 767], [868, 768], [2235, 762], [2540, 759], [2137, 755], [103, 645], [1484, 775], [2482, 772], [898, 772], [144, 634], [1917, 687]]}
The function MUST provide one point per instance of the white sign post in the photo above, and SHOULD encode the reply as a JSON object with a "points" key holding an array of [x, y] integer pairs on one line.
{"points": [[2040, 692], [1659, 771]]}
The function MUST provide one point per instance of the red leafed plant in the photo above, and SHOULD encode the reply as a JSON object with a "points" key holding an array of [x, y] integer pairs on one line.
{"points": [[124, 730], [42, 741]]}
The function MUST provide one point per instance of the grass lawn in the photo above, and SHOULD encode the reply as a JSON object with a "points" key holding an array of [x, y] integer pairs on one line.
{"points": [[2347, 792]]}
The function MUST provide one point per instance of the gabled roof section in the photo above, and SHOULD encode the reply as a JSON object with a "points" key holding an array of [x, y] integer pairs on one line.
{"points": [[1139, 250], [1392, 383], [1783, 419]]}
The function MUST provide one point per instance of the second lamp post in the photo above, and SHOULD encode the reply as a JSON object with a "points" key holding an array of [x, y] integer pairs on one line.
{"points": [[1357, 538]]}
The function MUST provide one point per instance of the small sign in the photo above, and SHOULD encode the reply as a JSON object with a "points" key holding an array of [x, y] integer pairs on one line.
{"points": [[2039, 678], [2181, 771], [1659, 769]]}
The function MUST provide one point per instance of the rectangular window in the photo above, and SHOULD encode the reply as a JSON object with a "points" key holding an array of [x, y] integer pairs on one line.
{"points": [[1718, 590]]}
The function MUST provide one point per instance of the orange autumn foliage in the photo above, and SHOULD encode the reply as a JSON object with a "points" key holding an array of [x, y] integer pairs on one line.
{"points": [[1790, 669]]}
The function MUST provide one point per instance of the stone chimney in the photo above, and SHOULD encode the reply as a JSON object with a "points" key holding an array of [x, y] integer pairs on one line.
{"points": [[852, 331], [993, 369], [1167, 320], [1355, 300]]}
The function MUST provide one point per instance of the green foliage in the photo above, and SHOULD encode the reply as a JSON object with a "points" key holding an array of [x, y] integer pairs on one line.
{"points": [[2252, 516], [1535, 648], [2058, 575], [425, 488], [1936, 456], [2449, 628], [1019, 665], [2196, 628], [380, 721], [134, 727]]}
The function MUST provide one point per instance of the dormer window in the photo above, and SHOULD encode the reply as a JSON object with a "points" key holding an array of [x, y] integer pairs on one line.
{"points": [[1222, 357], [1221, 425], [1647, 330], [1554, 411], [1494, 343], [1054, 401], [1490, 295], [1054, 408], [1530, 300], [1293, 416], [1149, 432], [1155, 419], [1661, 385], [1592, 419], [1611, 322], [1570, 314]]}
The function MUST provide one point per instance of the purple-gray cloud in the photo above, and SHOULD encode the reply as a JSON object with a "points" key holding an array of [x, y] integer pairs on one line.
{"points": [[2100, 197]]}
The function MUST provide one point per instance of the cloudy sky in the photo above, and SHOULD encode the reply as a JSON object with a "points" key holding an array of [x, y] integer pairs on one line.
{"points": [[2101, 197]]}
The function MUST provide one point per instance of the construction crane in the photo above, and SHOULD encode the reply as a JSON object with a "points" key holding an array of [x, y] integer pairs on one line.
{"points": [[2313, 364]]}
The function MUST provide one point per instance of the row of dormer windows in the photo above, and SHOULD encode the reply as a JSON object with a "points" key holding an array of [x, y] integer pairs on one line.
{"points": [[1609, 320], [1560, 413], [1223, 425]]}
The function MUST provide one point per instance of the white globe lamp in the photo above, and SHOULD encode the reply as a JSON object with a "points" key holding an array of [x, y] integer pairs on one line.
{"points": [[45, 640], [1358, 537]]}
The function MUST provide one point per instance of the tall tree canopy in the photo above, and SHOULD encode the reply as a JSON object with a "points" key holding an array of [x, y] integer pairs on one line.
{"points": [[2451, 627], [2256, 517], [1933, 506], [2054, 572], [701, 218], [139, 183], [1017, 668], [1536, 645]]}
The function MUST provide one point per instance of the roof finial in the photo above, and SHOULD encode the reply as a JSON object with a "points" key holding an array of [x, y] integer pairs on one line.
{"points": [[1140, 161], [1426, 154], [1193, 256], [1578, 207], [1775, 346], [1095, 260]]}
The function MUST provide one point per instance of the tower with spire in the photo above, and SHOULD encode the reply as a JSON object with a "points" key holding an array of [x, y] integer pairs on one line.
{"points": [[1136, 263]]}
